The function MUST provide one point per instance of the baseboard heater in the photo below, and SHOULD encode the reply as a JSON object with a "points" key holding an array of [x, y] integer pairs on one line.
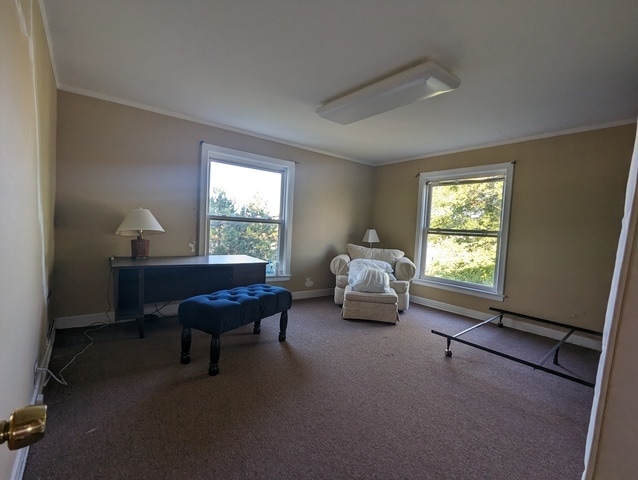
{"points": [[537, 366]]}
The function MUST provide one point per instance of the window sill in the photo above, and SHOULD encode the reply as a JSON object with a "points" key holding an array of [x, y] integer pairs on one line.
{"points": [[459, 289], [278, 278]]}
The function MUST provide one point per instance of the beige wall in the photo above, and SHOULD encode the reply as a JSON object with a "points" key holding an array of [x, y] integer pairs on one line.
{"points": [[566, 207], [112, 158], [565, 221], [613, 428], [27, 163], [568, 196]]}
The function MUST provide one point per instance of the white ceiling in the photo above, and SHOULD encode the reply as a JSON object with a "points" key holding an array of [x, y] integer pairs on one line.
{"points": [[527, 68]]}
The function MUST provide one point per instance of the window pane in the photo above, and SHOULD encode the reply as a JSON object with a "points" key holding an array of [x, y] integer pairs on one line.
{"points": [[259, 240], [462, 258], [246, 206], [467, 206], [237, 191], [462, 230]]}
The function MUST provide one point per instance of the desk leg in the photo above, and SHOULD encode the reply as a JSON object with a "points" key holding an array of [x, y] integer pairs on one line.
{"points": [[140, 302], [140, 325]]}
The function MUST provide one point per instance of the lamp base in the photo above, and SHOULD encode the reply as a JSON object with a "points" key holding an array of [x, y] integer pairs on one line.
{"points": [[140, 248]]}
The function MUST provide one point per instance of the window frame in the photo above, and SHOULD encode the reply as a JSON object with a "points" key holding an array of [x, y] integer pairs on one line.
{"points": [[240, 158], [426, 179]]}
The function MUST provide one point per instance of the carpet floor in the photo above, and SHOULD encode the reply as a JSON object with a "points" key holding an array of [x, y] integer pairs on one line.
{"points": [[340, 399]]}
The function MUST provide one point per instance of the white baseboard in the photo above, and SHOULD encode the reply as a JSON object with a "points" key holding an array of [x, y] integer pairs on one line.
{"points": [[576, 339], [326, 292], [43, 364], [90, 319], [19, 464], [83, 320], [36, 398], [171, 309]]}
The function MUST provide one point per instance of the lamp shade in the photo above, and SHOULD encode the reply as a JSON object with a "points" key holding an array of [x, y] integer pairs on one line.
{"points": [[138, 222], [371, 236]]}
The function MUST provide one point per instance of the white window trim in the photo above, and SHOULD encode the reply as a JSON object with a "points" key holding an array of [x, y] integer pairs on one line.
{"points": [[496, 293], [214, 152]]}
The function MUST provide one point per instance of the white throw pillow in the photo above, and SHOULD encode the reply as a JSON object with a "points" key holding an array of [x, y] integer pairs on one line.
{"points": [[371, 280], [358, 265], [361, 263]]}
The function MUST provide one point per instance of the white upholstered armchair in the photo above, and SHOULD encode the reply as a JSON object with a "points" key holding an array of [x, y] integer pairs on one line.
{"points": [[402, 270]]}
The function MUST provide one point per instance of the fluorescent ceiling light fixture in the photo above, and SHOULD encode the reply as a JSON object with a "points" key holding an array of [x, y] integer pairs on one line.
{"points": [[423, 81]]}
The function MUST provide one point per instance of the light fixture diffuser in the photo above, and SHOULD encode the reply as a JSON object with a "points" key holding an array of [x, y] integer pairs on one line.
{"points": [[423, 81]]}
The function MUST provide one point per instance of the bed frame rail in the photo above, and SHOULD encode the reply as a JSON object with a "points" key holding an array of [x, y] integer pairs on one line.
{"points": [[540, 365]]}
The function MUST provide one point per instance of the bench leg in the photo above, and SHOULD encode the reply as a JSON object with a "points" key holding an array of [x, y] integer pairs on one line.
{"points": [[215, 349], [186, 346], [257, 327], [283, 325]]}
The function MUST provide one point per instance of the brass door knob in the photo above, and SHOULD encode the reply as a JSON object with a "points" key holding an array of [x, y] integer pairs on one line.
{"points": [[25, 426]]}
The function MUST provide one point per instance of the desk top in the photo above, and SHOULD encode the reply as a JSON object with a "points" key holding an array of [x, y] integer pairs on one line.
{"points": [[191, 261]]}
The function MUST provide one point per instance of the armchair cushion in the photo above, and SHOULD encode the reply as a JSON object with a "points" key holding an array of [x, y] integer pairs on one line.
{"points": [[405, 269], [389, 255], [339, 264], [399, 279], [400, 286], [341, 281]]}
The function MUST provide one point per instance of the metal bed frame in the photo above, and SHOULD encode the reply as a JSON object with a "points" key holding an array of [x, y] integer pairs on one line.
{"points": [[537, 366]]}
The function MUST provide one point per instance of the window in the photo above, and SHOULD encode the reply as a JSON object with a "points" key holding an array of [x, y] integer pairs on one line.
{"points": [[462, 229], [246, 207]]}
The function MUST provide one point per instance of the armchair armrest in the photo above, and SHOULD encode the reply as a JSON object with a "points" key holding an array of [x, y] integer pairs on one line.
{"points": [[405, 269], [339, 264]]}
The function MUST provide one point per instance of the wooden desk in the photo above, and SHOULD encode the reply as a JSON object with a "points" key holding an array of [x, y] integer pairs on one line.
{"points": [[165, 279]]}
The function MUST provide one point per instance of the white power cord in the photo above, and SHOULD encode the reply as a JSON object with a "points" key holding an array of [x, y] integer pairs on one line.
{"points": [[61, 380], [97, 326]]}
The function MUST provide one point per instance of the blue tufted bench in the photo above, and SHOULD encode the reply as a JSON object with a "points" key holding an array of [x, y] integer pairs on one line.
{"points": [[225, 310]]}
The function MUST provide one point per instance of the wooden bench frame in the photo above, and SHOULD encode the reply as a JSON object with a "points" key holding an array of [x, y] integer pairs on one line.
{"points": [[215, 343], [238, 304]]}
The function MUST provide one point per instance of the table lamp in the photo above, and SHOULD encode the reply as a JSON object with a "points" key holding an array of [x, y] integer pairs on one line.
{"points": [[371, 236], [138, 222]]}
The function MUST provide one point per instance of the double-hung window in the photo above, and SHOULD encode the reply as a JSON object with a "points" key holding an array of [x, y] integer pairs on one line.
{"points": [[462, 229], [246, 207]]}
